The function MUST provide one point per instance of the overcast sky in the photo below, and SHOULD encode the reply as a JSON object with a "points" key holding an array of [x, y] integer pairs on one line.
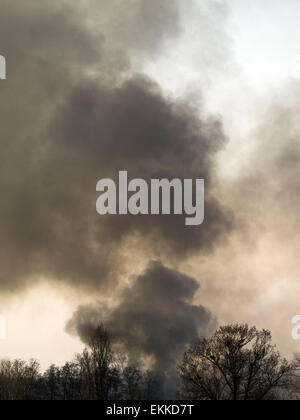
{"points": [[239, 61]]}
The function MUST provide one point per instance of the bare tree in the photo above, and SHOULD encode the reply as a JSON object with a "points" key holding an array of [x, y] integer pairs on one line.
{"points": [[294, 384], [69, 375], [30, 378], [52, 377], [97, 372], [132, 382], [101, 355], [154, 385], [87, 391], [18, 379], [236, 363]]}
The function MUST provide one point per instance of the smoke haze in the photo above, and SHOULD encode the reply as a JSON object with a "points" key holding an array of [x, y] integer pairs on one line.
{"points": [[91, 90]]}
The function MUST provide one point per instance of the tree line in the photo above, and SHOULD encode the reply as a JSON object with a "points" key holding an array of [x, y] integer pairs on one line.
{"points": [[236, 363]]}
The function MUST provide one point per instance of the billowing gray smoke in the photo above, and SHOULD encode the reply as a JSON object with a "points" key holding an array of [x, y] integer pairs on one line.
{"points": [[63, 129], [156, 319], [74, 110]]}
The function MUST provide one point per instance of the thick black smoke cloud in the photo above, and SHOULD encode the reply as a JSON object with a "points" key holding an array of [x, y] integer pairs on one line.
{"points": [[74, 110], [134, 127], [156, 318], [74, 113]]}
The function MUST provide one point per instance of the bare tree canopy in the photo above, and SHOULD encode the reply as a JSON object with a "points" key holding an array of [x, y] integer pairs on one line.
{"points": [[236, 363]]}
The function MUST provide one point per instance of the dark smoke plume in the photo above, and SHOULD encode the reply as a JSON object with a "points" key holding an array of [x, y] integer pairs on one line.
{"points": [[76, 113], [76, 108], [155, 319]]}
